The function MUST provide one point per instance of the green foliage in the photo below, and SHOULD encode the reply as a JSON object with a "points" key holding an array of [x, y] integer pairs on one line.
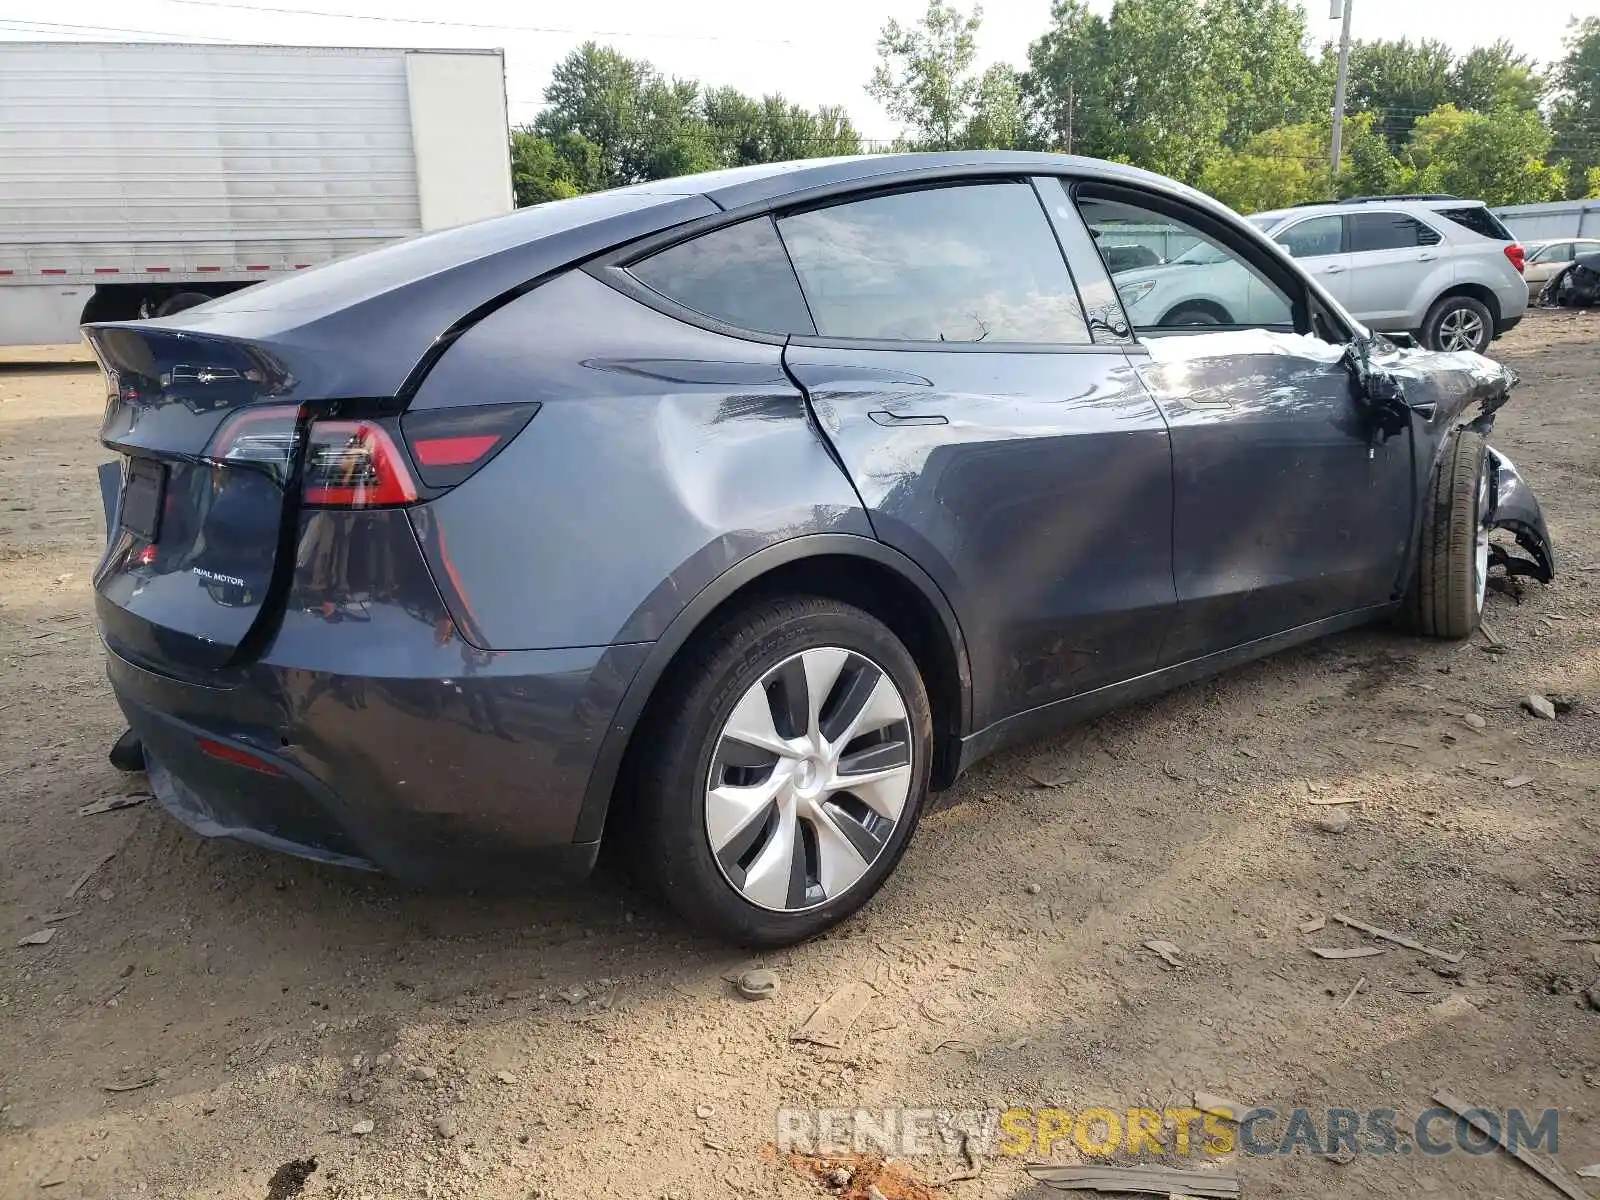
{"points": [[613, 120], [1496, 157], [924, 75], [1576, 93], [1491, 77], [1399, 81], [1278, 167]]}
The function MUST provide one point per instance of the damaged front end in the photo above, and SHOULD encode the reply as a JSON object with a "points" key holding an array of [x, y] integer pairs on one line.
{"points": [[1443, 392], [1516, 510]]}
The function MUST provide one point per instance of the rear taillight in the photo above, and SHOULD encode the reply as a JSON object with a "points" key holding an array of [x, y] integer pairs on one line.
{"points": [[449, 444], [1517, 255], [355, 464], [261, 437]]}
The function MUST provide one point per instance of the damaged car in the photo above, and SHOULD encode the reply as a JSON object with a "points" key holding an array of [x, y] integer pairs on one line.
{"points": [[723, 518]]}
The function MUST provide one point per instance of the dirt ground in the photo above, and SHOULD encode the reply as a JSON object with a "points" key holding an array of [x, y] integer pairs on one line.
{"points": [[205, 1013]]}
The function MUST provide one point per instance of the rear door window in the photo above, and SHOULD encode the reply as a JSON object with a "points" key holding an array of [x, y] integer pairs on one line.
{"points": [[967, 263], [1480, 220], [1312, 237], [1561, 252], [738, 274], [1388, 231]]}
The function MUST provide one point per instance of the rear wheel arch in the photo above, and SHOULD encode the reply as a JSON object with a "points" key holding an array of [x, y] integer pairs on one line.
{"points": [[1207, 308], [846, 567], [1472, 291]]}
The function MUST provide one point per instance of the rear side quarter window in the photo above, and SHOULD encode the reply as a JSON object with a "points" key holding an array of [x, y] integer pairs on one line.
{"points": [[1480, 220], [739, 275]]}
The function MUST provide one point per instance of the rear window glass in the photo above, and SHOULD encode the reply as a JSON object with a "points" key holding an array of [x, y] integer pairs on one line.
{"points": [[1480, 221], [1388, 231], [973, 263], [739, 274]]}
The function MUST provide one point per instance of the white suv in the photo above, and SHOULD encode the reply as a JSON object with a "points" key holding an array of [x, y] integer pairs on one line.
{"points": [[1441, 268]]}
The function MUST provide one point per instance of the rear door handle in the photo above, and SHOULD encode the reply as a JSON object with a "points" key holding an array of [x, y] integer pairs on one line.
{"points": [[1331, 270], [882, 417], [1426, 257]]}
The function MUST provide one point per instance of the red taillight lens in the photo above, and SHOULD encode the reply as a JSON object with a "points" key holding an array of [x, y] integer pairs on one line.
{"points": [[1517, 255], [355, 464], [449, 444]]}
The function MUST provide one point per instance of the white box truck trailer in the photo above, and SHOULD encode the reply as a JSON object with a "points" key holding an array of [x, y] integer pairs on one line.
{"points": [[138, 178]]}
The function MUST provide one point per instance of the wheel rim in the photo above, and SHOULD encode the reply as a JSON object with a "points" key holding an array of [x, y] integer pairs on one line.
{"points": [[809, 779], [1461, 329], [1480, 557]]}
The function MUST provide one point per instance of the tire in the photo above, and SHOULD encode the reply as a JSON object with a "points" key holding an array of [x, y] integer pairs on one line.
{"points": [[742, 669], [179, 302], [1195, 314], [1442, 327], [1445, 599]]}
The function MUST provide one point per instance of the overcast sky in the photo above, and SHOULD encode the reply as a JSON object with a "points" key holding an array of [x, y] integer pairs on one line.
{"points": [[814, 51]]}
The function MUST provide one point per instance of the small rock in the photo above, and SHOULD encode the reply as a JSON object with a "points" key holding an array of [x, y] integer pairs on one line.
{"points": [[1452, 1008], [37, 938], [505, 1077], [1474, 721], [382, 1061], [1033, 889], [1564, 702], [704, 1111], [358, 1095], [422, 1074], [1592, 995], [839, 1177], [362, 1128], [874, 1193], [446, 1126], [757, 984], [1539, 706], [1336, 821], [576, 994]]}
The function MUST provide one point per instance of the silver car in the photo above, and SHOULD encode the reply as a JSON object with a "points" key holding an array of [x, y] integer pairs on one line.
{"points": [[1442, 269]]}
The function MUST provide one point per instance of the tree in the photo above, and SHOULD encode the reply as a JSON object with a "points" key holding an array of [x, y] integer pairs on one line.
{"points": [[998, 121], [743, 130], [1066, 90], [1496, 157], [1576, 111], [924, 74], [1277, 168], [1495, 76], [542, 169], [1399, 82], [1260, 68]]}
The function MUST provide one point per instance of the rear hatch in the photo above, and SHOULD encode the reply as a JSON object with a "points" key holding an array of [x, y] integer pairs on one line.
{"points": [[198, 529]]}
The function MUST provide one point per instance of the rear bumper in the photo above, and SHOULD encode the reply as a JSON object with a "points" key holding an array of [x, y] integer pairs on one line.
{"points": [[369, 733], [434, 781]]}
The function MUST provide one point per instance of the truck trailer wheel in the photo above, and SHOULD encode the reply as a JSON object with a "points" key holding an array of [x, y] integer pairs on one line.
{"points": [[183, 300]]}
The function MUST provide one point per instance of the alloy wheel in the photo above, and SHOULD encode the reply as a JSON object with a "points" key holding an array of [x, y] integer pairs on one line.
{"points": [[1461, 329], [809, 779]]}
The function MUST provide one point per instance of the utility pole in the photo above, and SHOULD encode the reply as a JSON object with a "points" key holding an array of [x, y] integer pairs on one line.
{"points": [[1339, 88], [1072, 102]]}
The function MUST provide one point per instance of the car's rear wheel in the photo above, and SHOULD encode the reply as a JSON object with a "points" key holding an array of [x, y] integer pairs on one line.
{"points": [[1452, 574], [1458, 323], [785, 772]]}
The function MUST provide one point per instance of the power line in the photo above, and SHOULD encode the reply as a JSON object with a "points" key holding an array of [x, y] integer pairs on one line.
{"points": [[434, 21], [66, 29]]}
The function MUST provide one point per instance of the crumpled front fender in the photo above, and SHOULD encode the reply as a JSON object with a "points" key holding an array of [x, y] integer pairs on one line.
{"points": [[1516, 509]]}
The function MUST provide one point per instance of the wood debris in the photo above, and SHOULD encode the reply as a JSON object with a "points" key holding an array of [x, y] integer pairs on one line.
{"points": [[831, 1021], [1166, 950], [1545, 1168], [1313, 925], [1399, 939], [1162, 1181], [1333, 800], [77, 884], [1228, 1110], [129, 1087], [1335, 952], [1517, 781], [1345, 1003], [112, 804]]}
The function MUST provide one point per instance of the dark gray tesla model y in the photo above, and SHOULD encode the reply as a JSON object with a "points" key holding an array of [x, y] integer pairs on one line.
{"points": [[728, 515]]}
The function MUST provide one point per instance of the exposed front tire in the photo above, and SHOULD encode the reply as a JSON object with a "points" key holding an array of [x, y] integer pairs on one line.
{"points": [[785, 771], [1458, 323], [1198, 313], [1446, 596]]}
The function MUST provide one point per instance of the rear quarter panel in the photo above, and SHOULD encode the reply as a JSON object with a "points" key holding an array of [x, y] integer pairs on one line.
{"points": [[663, 455]]}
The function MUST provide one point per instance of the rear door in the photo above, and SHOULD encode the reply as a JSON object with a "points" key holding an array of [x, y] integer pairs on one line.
{"points": [[1397, 264], [1317, 243], [1285, 510], [993, 427]]}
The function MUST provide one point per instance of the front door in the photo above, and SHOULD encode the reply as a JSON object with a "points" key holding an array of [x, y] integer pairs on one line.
{"points": [[1285, 510], [991, 438]]}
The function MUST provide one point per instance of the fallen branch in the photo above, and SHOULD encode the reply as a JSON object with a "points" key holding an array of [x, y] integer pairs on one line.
{"points": [[1545, 1168], [1162, 1181], [1399, 939]]}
